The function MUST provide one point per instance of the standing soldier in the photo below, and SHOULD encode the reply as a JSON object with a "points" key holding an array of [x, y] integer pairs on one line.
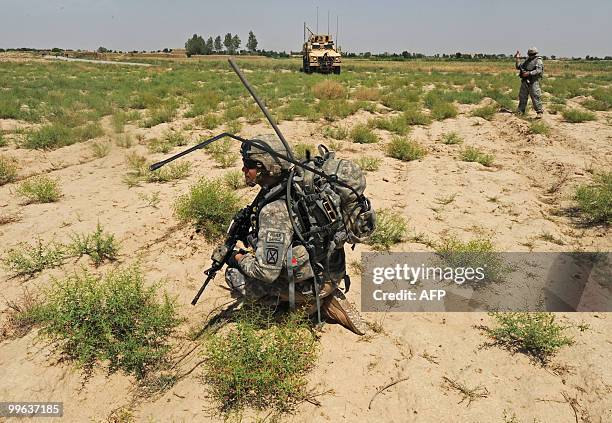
{"points": [[262, 272], [530, 71]]}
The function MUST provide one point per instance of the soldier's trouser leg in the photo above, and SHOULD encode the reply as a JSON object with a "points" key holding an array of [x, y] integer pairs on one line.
{"points": [[523, 96], [536, 94]]}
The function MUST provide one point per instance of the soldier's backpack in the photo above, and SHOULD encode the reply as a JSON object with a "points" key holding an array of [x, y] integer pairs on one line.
{"points": [[329, 214]]}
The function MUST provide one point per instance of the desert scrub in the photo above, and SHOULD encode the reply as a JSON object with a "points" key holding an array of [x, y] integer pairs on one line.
{"points": [[391, 229], [369, 163], [260, 362], [209, 206], [221, 152], [161, 114], [539, 127], [208, 121], [99, 246], [361, 134], [485, 112], [168, 173], [234, 179], [595, 200], [476, 253], [39, 189], [452, 138], [27, 259], [157, 145], [328, 90], [534, 334], [3, 141], [124, 140], [472, 154], [339, 133], [8, 169], [49, 137], [577, 116], [397, 124], [366, 93], [114, 318], [100, 149], [416, 117], [405, 149], [441, 111]]}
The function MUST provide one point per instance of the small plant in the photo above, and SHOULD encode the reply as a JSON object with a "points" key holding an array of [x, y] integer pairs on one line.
{"points": [[452, 138], [49, 137], [234, 179], [595, 200], [472, 154], [339, 133], [233, 127], [209, 205], [476, 253], [152, 199], [441, 111], [39, 189], [415, 117], [161, 114], [366, 93], [485, 112], [27, 259], [114, 318], [222, 154], [369, 163], [553, 109], [157, 145], [260, 363], [8, 169], [397, 125], [405, 149], [124, 140], [391, 229], [168, 173], [2, 140], [208, 121], [302, 150], [329, 90], [99, 246], [534, 334], [19, 317], [577, 116], [175, 138], [361, 134], [100, 149], [539, 127]]}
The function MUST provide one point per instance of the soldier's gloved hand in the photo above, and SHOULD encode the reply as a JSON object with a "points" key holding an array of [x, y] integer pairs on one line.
{"points": [[219, 253], [232, 261]]}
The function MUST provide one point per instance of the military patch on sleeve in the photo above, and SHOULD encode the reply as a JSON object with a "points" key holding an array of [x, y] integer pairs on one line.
{"points": [[275, 237], [271, 255]]}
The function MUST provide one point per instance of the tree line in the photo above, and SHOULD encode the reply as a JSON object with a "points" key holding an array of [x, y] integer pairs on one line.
{"points": [[230, 44]]}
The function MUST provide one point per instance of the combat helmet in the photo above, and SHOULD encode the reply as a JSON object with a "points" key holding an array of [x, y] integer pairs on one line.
{"points": [[532, 51], [265, 162]]}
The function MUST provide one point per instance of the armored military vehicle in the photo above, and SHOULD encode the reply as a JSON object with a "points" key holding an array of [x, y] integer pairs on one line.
{"points": [[319, 53]]}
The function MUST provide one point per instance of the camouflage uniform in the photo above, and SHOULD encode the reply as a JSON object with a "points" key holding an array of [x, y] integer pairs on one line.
{"points": [[530, 86]]}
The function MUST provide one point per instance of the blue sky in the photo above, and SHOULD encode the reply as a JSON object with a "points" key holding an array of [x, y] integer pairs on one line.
{"points": [[562, 28]]}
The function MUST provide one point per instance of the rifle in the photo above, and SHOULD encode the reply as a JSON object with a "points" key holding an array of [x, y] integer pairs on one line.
{"points": [[237, 231]]}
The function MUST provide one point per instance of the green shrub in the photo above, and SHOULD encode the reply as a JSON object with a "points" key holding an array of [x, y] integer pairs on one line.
{"points": [[405, 149], [577, 116], [369, 163], [539, 127], [234, 179], [175, 138], [391, 229], [329, 90], [397, 125], [485, 112], [596, 105], [157, 145], [553, 109], [161, 114], [8, 169], [473, 254], [100, 149], [361, 134], [28, 259], [99, 246], [49, 137], [124, 140], [114, 318], [209, 205], [87, 132], [366, 93], [2, 140], [472, 154], [339, 133], [208, 121], [169, 172], [221, 152], [441, 111], [452, 138], [260, 363], [39, 189], [233, 127], [595, 200], [534, 334], [415, 117]]}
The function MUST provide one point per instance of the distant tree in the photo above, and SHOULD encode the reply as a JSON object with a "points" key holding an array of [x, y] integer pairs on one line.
{"points": [[251, 44], [217, 44], [405, 54], [102, 50], [195, 45], [458, 55], [209, 46], [228, 42], [236, 43]]}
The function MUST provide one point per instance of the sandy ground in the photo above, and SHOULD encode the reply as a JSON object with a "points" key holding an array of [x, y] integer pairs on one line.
{"points": [[513, 203]]}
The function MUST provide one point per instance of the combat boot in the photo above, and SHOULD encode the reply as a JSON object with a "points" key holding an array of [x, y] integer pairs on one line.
{"points": [[340, 310]]}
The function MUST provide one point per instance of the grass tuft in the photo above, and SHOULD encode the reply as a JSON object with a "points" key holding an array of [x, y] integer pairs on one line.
{"points": [[99, 246], [329, 90], [595, 200], [473, 254], [452, 138], [577, 116], [539, 127], [361, 134], [441, 111], [209, 205], [391, 229], [39, 189], [485, 112], [234, 179], [8, 169], [26, 259], [339, 133], [472, 154], [369, 163], [260, 363], [100, 149], [405, 149]]}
